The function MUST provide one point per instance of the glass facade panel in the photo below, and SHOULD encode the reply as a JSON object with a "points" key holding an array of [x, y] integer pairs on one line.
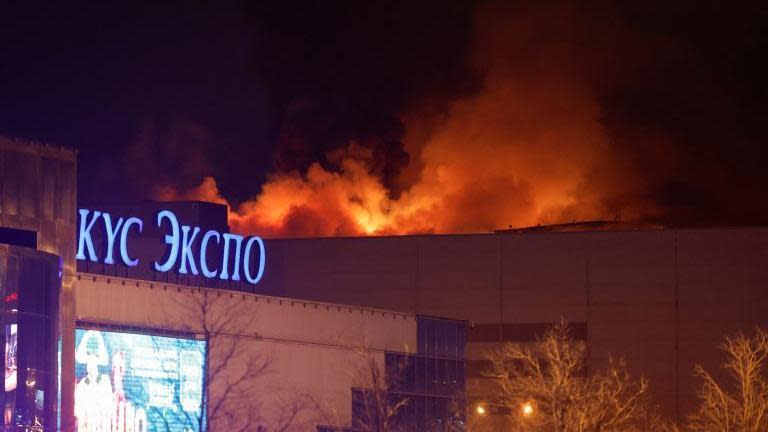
{"points": [[441, 339], [451, 341], [431, 381], [30, 283]]}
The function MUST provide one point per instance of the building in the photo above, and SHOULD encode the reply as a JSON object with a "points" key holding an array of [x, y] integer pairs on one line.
{"points": [[31, 284], [661, 298], [38, 189], [304, 362], [97, 338]]}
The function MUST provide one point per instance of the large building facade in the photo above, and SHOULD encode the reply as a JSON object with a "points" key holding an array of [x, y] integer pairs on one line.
{"points": [[98, 338], [322, 314], [662, 299]]}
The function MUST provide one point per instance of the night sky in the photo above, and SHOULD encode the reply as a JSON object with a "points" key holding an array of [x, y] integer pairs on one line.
{"points": [[167, 93]]}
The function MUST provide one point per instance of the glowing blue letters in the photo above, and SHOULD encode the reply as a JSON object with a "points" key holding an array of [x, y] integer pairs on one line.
{"points": [[84, 236], [124, 241], [172, 240], [225, 263], [184, 252], [85, 241], [246, 260], [111, 234], [203, 254]]}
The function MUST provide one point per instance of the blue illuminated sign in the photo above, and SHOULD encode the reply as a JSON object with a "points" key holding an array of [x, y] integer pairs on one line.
{"points": [[237, 252], [138, 382]]}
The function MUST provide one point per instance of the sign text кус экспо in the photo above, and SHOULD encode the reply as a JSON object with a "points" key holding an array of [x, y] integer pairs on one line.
{"points": [[237, 252]]}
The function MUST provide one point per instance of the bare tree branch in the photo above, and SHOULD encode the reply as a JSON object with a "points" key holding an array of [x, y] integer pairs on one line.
{"points": [[741, 406], [549, 378], [234, 371]]}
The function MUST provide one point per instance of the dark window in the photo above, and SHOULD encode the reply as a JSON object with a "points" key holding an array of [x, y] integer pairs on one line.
{"points": [[452, 341], [17, 237], [432, 381], [441, 340], [421, 375], [441, 337]]}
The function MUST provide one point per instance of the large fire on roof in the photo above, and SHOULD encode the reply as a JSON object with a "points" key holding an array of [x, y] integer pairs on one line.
{"points": [[528, 149]]}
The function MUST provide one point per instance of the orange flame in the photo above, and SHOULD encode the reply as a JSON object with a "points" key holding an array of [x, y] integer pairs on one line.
{"points": [[528, 149]]}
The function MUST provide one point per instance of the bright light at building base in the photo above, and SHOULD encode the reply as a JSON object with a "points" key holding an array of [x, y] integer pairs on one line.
{"points": [[527, 409]]}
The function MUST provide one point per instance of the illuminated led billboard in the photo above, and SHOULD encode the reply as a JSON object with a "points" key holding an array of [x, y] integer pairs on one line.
{"points": [[138, 382]]}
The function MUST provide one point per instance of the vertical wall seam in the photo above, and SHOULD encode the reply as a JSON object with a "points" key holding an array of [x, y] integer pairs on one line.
{"points": [[677, 327], [588, 294], [417, 278], [501, 288]]}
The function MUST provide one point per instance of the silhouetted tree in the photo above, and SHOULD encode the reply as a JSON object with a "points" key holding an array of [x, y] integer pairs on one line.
{"points": [[742, 404], [545, 387], [234, 372]]}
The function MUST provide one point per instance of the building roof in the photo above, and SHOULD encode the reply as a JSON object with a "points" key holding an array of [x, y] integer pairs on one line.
{"points": [[595, 225]]}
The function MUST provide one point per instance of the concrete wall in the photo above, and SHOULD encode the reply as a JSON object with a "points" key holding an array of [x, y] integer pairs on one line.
{"points": [[663, 299], [312, 349]]}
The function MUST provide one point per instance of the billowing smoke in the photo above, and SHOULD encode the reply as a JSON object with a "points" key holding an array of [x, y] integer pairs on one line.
{"points": [[527, 148], [572, 112], [353, 117]]}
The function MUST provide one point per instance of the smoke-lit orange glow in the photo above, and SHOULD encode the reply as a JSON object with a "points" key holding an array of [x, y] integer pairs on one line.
{"points": [[527, 149]]}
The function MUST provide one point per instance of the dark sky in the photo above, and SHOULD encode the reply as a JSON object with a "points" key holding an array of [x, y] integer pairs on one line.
{"points": [[167, 92]]}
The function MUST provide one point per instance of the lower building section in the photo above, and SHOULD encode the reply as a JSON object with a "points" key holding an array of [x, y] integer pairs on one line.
{"points": [[423, 391], [164, 357], [431, 383]]}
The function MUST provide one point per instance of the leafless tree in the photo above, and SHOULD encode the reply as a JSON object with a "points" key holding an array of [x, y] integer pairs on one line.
{"points": [[545, 387], [380, 406], [742, 404], [234, 372], [376, 397]]}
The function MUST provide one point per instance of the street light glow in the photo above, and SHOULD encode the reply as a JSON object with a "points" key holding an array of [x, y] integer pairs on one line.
{"points": [[527, 409], [480, 410]]}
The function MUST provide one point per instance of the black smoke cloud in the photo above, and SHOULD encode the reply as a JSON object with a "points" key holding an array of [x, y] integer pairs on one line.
{"points": [[172, 92], [687, 100], [681, 87], [346, 71]]}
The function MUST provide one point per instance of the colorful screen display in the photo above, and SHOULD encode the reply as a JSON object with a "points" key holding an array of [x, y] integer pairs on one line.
{"points": [[10, 357], [138, 382], [11, 375]]}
